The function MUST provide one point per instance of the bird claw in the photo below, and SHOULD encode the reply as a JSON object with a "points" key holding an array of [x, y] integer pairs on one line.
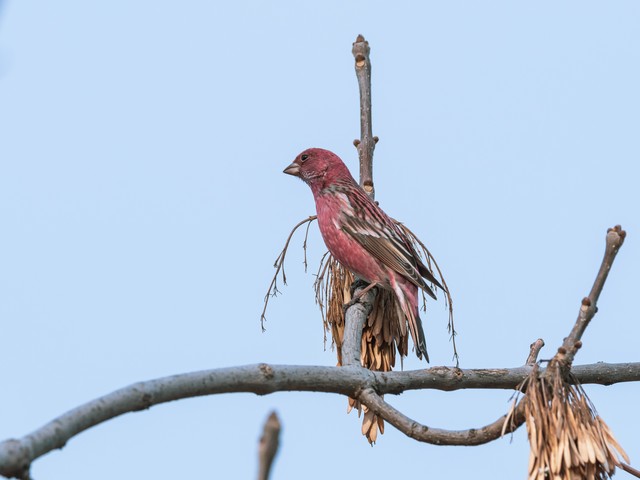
{"points": [[355, 298], [347, 305], [357, 283]]}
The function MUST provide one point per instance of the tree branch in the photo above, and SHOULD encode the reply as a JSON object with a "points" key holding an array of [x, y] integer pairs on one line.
{"points": [[355, 315], [16, 455], [354, 318], [268, 447], [571, 344], [367, 142], [438, 436]]}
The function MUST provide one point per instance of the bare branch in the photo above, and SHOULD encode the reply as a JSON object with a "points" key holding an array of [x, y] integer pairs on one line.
{"points": [[354, 319], [437, 436], [630, 470], [17, 454], [356, 314], [367, 142], [571, 344], [269, 442]]}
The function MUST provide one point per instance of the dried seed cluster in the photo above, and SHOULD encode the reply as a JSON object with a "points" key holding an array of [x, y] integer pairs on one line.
{"points": [[568, 439]]}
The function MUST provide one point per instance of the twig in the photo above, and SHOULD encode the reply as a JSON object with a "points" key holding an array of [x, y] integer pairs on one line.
{"points": [[571, 344], [534, 350], [367, 142], [16, 455], [268, 447], [630, 470], [304, 245], [279, 265]]}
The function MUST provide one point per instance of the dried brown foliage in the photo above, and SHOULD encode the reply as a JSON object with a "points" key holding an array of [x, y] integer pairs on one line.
{"points": [[568, 439]]}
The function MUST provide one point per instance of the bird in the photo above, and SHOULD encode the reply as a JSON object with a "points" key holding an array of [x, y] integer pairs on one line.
{"points": [[363, 238]]}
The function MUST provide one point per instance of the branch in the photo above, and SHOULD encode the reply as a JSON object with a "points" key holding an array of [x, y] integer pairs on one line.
{"points": [[16, 455], [354, 318], [367, 142], [438, 436], [355, 315], [268, 447], [571, 344]]}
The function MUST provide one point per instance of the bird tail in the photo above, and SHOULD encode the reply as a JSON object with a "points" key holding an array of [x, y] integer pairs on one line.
{"points": [[417, 333], [410, 310]]}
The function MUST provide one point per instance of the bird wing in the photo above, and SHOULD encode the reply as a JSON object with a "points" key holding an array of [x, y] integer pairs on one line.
{"points": [[424, 270], [385, 242]]}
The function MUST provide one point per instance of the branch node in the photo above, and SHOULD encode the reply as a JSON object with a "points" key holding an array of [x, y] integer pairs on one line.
{"points": [[266, 370]]}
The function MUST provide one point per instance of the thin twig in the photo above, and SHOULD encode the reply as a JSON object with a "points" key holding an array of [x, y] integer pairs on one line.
{"points": [[630, 470], [279, 265], [304, 245], [534, 350], [268, 447]]}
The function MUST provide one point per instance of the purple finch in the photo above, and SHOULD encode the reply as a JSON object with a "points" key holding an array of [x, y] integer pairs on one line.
{"points": [[363, 238]]}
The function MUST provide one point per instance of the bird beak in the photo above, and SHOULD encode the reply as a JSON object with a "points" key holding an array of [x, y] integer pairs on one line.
{"points": [[293, 169]]}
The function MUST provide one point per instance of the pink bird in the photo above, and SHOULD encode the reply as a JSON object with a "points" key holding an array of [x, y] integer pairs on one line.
{"points": [[363, 238]]}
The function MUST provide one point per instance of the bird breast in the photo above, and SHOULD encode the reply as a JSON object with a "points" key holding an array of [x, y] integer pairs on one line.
{"points": [[331, 209]]}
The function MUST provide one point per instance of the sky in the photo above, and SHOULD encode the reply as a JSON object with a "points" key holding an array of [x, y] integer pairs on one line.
{"points": [[142, 204]]}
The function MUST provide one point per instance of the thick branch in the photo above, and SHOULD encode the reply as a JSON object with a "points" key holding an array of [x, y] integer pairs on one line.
{"points": [[16, 455], [367, 142]]}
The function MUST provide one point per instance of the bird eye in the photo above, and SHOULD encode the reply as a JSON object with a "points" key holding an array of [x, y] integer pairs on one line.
{"points": [[304, 157]]}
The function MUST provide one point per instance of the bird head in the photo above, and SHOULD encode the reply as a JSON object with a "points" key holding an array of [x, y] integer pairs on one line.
{"points": [[318, 168]]}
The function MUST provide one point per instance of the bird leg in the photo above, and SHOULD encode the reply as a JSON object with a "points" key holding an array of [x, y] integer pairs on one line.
{"points": [[356, 298]]}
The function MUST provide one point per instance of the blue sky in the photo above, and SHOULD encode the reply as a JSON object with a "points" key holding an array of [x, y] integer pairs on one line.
{"points": [[142, 203]]}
